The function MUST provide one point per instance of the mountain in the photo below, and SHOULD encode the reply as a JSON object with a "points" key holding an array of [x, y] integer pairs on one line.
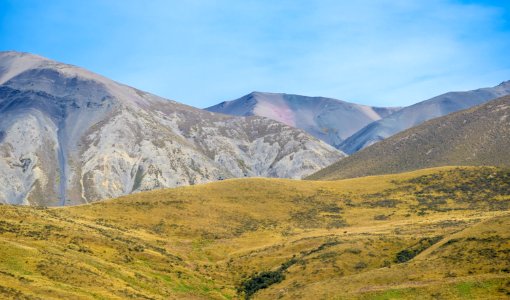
{"points": [[380, 237], [420, 112], [327, 119], [69, 136], [476, 136]]}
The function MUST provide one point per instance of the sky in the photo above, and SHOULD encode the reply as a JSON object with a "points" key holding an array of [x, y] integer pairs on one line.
{"points": [[201, 52]]}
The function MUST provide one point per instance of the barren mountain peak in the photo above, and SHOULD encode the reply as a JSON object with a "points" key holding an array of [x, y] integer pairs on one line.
{"points": [[71, 136]]}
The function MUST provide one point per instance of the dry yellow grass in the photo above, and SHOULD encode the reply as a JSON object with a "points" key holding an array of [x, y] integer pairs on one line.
{"points": [[335, 239]]}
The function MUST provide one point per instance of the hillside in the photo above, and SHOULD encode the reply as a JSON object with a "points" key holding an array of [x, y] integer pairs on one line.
{"points": [[330, 120], [477, 136], [436, 233], [418, 113], [69, 136]]}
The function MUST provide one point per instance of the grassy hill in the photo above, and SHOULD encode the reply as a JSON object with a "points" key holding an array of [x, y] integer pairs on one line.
{"points": [[477, 136], [440, 233]]}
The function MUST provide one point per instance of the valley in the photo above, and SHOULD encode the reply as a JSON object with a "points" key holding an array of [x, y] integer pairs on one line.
{"points": [[442, 232], [254, 150]]}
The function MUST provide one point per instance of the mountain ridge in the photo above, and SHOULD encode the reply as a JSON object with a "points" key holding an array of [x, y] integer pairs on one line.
{"points": [[476, 136], [70, 136], [328, 119], [420, 112]]}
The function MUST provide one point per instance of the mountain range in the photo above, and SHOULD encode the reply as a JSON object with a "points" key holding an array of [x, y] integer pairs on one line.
{"points": [[348, 126], [328, 119], [69, 136], [420, 112], [436, 230], [476, 136]]}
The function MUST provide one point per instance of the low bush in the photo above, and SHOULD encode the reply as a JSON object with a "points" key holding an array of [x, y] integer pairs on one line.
{"points": [[261, 281], [408, 254]]}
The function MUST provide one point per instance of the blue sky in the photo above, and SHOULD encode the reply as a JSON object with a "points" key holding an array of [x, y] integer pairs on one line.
{"points": [[377, 52]]}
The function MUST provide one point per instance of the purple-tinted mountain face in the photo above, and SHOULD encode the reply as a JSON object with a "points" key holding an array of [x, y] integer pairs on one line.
{"points": [[327, 119], [420, 112]]}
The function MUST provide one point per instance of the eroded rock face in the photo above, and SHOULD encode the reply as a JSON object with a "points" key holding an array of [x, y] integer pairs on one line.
{"points": [[69, 136]]}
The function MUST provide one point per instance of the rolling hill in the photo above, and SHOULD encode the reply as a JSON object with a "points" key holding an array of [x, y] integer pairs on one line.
{"points": [[428, 234], [420, 112], [69, 136], [330, 120], [476, 136]]}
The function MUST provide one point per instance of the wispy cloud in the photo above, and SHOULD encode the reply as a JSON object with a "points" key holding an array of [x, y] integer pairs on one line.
{"points": [[378, 52]]}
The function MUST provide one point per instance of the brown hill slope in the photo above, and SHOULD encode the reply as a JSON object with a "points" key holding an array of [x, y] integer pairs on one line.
{"points": [[476, 136], [377, 237]]}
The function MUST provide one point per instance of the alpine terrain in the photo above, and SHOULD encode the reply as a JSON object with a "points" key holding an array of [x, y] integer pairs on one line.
{"points": [[69, 136], [476, 136], [328, 119], [420, 112]]}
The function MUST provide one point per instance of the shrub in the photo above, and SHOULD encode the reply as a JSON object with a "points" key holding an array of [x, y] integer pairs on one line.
{"points": [[261, 281], [405, 255], [360, 265], [410, 253], [381, 217], [264, 279]]}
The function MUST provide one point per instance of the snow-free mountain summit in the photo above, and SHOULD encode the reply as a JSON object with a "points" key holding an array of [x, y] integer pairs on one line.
{"points": [[328, 119], [478, 136], [420, 112], [69, 136]]}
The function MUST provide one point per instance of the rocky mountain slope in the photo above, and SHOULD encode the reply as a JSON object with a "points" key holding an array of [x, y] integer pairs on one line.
{"points": [[69, 136], [420, 112], [327, 119], [476, 136]]}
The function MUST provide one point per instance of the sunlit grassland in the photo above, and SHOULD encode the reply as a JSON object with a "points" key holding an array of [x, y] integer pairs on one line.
{"points": [[438, 233]]}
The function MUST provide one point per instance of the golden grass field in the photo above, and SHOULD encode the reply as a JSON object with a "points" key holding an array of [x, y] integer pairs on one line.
{"points": [[440, 233]]}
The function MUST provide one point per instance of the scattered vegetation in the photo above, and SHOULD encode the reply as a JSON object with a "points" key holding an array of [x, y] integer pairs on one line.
{"points": [[346, 238], [262, 280]]}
